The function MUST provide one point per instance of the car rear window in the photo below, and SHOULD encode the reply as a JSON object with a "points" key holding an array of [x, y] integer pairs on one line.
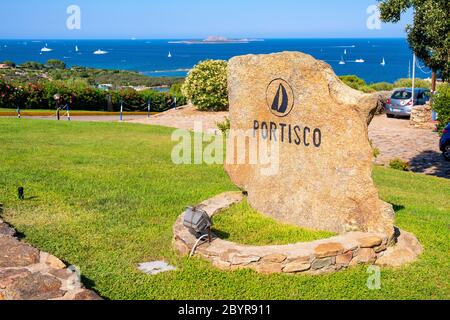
{"points": [[402, 95]]}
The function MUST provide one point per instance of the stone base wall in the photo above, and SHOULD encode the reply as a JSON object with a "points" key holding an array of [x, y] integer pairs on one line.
{"points": [[318, 257], [421, 117], [29, 274]]}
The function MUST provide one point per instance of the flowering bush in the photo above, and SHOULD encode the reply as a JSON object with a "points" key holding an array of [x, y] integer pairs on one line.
{"points": [[206, 86], [11, 95], [81, 96], [34, 95]]}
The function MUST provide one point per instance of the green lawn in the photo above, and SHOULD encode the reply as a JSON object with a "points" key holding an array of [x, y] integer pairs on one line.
{"points": [[243, 224], [104, 197]]}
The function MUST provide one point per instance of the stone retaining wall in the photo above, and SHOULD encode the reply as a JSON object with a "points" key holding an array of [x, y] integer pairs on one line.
{"points": [[421, 117], [29, 274], [322, 256]]}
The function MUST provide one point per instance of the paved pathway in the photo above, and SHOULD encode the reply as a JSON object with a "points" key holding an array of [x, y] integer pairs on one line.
{"points": [[420, 147], [186, 118]]}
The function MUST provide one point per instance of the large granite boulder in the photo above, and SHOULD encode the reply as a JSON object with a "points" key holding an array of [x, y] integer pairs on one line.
{"points": [[319, 127]]}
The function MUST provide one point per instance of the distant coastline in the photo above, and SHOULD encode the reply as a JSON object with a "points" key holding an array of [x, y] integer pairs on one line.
{"points": [[216, 40]]}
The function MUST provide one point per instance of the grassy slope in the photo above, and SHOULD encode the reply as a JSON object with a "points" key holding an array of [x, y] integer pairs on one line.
{"points": [[106, 196]]}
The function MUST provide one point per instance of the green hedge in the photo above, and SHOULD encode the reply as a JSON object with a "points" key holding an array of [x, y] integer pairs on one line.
{"points": [[441, 104], [359, 84], [81, 96], [353, 81], [407, 83]]}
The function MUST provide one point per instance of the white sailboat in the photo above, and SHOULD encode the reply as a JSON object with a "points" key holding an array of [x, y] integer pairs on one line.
{"points": [[383, 63], [360, 60], [46, 49], [170, 55], [99, 52], [76, 49], [345, 51], [342, 61]]}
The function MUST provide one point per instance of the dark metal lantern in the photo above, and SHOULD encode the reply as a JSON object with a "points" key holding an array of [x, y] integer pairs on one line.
{"points": [[197, 221], [21, 193]]}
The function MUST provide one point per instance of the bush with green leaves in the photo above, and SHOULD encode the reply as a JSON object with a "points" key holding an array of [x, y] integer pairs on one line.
{"points": [[206, 86], [224, 126], [376, 151], [367, 89], [176, 89], [382, 86], [441, 104], [359, 84], [407, 83], [353, 81], [399, 164], [56, 64], [32, 65], [77, 93]]}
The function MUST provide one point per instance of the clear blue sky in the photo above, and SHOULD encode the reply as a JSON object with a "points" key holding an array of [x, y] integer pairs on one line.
{"points": [[45, 19]]}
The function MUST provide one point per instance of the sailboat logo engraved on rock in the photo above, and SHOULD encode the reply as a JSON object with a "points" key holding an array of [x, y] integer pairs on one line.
{"points": [[280, 98]]}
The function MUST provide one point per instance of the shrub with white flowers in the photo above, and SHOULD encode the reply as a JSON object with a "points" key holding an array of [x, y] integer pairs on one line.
{"points": [[206, 86]]}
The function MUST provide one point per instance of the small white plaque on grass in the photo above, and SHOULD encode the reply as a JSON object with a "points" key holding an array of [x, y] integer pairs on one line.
{"points": [[155, 267]]}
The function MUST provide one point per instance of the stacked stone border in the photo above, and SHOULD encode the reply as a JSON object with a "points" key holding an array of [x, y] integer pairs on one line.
{"points": [[29, 274], [422, 117], [317, 257]]}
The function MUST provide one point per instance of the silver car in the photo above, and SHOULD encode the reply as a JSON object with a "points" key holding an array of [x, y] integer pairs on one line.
{"points": [[400, 104]]}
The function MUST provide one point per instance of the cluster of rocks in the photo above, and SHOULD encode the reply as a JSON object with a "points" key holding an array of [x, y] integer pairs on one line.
{"points": [[421, 117], [29, 274], [322, 256]]}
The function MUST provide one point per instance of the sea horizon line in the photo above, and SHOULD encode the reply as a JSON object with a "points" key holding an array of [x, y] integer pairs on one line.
{"points": [[193, 38]]}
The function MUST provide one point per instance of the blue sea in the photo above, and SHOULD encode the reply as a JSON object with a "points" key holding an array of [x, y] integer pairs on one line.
{"points": [[151, 57]]}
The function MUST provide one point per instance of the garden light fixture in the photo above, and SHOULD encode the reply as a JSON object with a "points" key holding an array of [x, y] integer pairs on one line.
{"points": [[198, 222]]}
